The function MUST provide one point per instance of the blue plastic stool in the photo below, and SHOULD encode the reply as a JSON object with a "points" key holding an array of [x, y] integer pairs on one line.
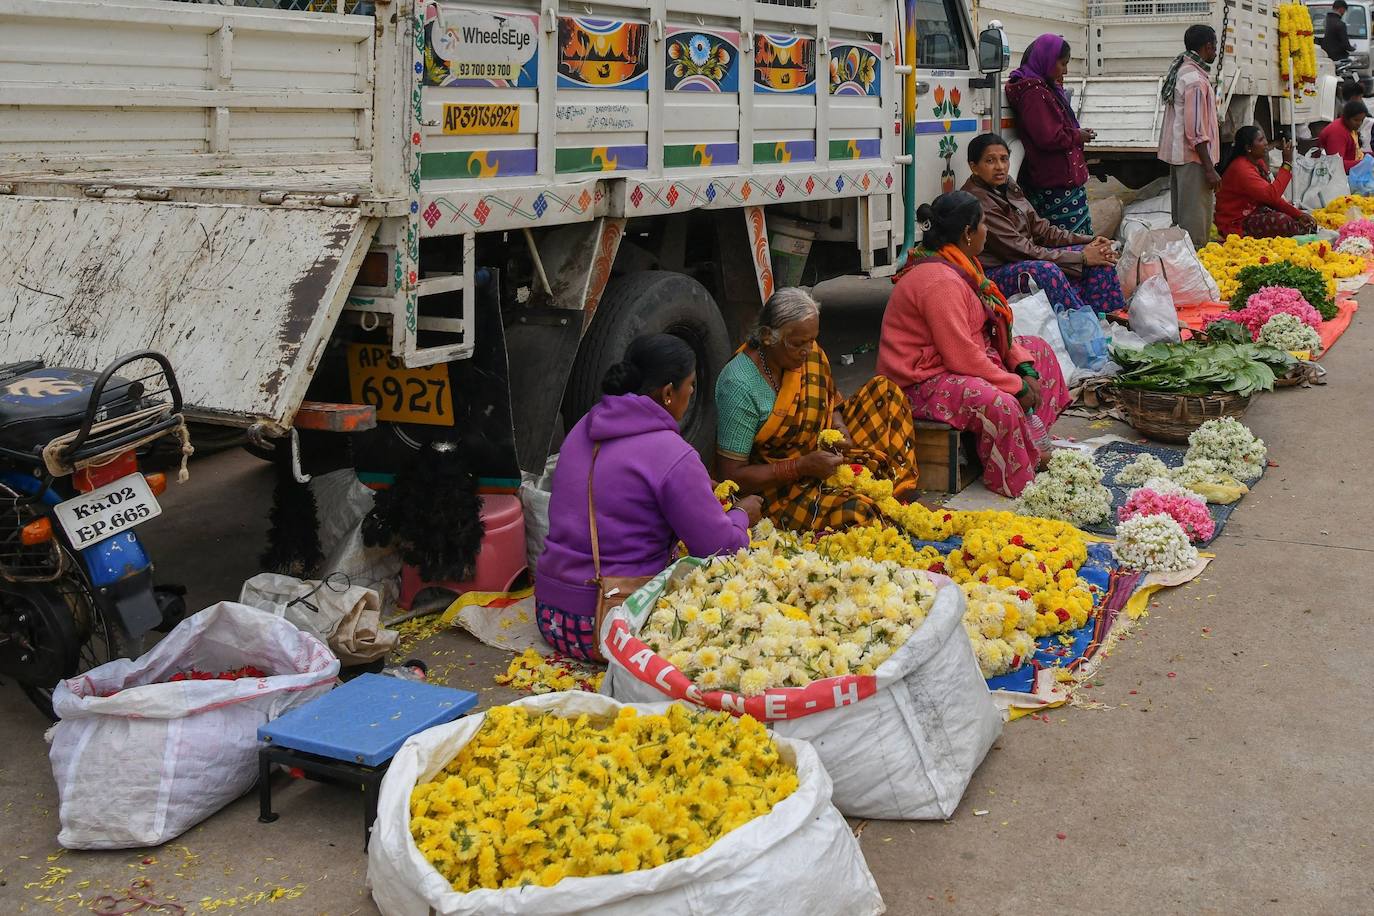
{"points": [[351, 733]]}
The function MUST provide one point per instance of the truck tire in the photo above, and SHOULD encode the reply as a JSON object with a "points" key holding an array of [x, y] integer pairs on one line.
{"points": [[650, 302]]}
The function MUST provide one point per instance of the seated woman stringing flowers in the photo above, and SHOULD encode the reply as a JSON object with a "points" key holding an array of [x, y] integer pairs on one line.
{"points": [[1250, 201], [946, 340], [773, 401], [1075, 271], [626, 489]]}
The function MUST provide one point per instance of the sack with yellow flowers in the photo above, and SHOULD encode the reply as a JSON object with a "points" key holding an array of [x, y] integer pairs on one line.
{"points": [[869, 661], [611, 862]]}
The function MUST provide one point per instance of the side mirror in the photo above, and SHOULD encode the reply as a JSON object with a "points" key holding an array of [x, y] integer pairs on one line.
{"points": [[993, 53]]}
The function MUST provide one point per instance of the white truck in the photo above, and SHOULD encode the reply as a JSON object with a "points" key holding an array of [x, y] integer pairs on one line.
{"points": [[456, 214], [1121, 51], [453, 213]]}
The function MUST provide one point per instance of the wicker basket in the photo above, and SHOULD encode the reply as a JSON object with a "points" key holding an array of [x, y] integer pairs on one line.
{"points": [[1171, 417]]}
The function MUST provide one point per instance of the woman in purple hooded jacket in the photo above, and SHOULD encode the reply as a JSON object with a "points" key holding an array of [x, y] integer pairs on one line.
{"points": [[1054, 172], [650, 490]]}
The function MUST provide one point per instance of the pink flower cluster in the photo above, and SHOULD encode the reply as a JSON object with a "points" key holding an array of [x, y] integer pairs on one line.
{"points": [[1189, 511], [1271, 301], [1362, 228]]}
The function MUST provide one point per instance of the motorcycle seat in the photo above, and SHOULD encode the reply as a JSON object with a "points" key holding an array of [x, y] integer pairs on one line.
{"points": [[38, 404]]}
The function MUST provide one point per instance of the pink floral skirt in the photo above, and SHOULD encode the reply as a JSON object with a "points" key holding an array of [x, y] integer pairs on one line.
{"points": [[1006, 444]]}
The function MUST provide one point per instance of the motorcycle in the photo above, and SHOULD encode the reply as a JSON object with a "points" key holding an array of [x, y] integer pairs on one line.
{"points": [[76, 584]]}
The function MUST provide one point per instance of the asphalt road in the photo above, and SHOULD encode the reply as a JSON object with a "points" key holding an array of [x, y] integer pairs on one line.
{"points": [[1224, 769]]}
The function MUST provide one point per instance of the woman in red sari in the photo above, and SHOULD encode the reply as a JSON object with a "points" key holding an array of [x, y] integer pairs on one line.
{"points": [[946, 341]]}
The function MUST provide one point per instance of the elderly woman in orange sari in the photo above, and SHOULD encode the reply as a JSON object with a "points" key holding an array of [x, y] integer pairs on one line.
{"points": [[776, 397]]}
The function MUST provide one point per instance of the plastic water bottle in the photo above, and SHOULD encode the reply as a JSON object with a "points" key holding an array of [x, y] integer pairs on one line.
{"points": [[1039, 434]]}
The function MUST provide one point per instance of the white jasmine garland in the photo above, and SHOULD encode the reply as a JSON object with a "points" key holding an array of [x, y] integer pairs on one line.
{"points": [[1070, 490], [1236, 450], [1153, 543], [1356, 245]]}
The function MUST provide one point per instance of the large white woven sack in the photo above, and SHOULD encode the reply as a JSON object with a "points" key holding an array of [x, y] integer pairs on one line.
{"points": [[901, 743], [153, 759], [800, 858]]}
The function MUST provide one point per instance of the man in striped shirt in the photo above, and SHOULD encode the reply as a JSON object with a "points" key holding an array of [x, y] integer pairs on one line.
{"points": [[1190, 140]]}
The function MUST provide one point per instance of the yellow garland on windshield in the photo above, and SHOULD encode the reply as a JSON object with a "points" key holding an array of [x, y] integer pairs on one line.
{"points": [[1297, 47]]}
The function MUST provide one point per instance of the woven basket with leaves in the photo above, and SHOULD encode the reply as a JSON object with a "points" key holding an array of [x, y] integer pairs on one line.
{"points": [[1170, 417]]}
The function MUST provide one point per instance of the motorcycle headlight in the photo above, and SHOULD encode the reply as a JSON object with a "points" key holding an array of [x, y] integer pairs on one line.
{"points": [[1360, 60]]}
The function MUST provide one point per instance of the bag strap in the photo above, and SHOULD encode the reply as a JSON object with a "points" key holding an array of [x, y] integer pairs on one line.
{"points": [[591, 517]]}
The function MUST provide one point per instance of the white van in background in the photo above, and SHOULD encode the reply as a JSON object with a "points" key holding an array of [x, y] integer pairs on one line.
{"points": [[1357, 25]]}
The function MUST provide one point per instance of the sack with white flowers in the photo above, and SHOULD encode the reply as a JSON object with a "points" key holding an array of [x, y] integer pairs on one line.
{"points": [[900, 738], [801, 851], [147, 749]]}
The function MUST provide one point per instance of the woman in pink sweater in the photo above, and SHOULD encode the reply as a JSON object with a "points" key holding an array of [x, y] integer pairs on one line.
{"points": [[946, 341]]}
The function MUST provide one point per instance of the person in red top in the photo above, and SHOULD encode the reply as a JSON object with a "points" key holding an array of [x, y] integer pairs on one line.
{"points": [[946, 342], [1342, 136], [1250, 201]]}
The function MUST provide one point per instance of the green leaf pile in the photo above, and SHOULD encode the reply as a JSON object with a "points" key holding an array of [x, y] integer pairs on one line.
{"points": [[1306, 280], [1201, 368]]}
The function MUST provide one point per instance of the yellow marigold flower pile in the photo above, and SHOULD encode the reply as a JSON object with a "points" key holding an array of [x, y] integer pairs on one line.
{"points": [[1337, 213], [1224, 260], [533, 798], [1036, 555], [996, 622], [532, 672]]}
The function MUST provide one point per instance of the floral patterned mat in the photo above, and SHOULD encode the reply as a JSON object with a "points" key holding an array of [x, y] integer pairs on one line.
{"points": [[1113, 457]]}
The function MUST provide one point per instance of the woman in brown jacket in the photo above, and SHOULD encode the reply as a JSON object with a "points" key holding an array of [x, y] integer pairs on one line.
{"points": [[1075, 271]]}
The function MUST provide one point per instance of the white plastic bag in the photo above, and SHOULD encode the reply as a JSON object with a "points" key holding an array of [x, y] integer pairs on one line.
{"points": [[342, 502], [1152, 313], [1033, 316], [534, 498], [1318, 180], [1168, 253], [153, 758], [1145, 214], [901, 743], [348, 618], [801, 853]]}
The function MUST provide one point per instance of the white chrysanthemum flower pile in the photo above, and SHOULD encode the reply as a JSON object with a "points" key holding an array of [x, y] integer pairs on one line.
{"points": [[784, 618], [1142, 469], [1153, 543], [1289, 332], [1070, 490], [1236, 450]]}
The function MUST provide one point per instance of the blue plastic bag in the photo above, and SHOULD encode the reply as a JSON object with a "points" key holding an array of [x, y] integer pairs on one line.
{"points": [[1084, 338], [1362, 176]]}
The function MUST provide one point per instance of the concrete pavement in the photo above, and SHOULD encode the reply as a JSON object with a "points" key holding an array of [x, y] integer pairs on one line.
{"points": [[1227, 769]]}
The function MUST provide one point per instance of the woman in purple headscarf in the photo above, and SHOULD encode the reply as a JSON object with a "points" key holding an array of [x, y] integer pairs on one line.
{"points": [[1054, 170]]}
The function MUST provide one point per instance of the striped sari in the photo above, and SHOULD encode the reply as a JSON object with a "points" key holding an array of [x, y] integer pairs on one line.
{"points": [[880, 426]]}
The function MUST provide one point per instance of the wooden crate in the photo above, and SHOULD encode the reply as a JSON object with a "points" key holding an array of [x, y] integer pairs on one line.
{"points": [[946, 458]]}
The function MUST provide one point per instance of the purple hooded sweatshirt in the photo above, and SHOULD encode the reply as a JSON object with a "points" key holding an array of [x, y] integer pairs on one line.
{"points": [[651, 491]]}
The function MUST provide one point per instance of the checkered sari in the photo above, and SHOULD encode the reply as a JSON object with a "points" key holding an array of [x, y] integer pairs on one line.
{"points": [[879, 422]]}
